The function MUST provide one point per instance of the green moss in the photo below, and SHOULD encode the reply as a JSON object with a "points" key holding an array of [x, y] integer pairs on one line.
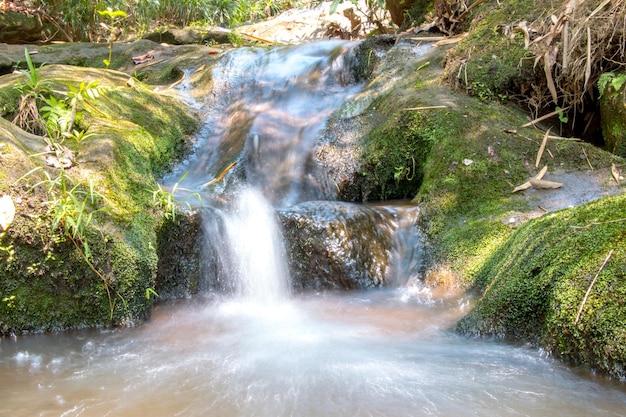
{"points": [[612, 89], [535, 285], [45, 278], [9, 99], [491, 62], [468, 180], [395, 152]]}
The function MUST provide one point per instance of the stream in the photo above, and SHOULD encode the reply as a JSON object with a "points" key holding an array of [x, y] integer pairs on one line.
{"points": [[259, 348]]}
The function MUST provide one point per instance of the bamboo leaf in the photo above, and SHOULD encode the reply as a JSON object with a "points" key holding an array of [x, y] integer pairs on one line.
{"points": [[527, 184], [542, 148], [545, 185], [616, 174]]}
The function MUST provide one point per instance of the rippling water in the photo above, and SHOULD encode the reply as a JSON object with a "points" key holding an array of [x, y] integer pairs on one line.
{"points": [[380, 353]]}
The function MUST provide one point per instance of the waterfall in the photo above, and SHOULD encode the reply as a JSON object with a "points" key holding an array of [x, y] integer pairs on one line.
{"points": [[258, 261], [266, 111]]}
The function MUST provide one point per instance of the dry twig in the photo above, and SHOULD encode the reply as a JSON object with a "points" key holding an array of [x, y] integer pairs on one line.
{"points": [[582, 305]]}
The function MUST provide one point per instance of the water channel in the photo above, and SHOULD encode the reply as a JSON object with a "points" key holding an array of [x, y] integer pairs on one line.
{"points": [[262, 350]]}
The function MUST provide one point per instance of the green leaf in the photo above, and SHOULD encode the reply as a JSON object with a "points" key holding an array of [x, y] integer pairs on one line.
{"points": [[333, 7], [112, 13], [618, 81]]}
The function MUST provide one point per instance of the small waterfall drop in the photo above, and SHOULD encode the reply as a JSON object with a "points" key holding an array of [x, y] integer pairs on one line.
{"points": [[259, 269]]}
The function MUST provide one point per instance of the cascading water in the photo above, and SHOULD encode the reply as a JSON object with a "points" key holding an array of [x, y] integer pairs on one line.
{"points": [[259, 266], [259, 351], [264, 116]]}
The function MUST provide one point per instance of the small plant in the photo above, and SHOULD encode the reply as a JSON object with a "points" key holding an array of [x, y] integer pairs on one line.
{"points": [[235, 39], [32, 91], [114, 18], [8, 250], [402, 172], [9, 301], [562, 117], [150, 292], [610, 78], [166, 200], [71, 207], [33, 83]]}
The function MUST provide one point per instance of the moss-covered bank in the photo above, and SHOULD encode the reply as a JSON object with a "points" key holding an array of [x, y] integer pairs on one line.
{"points": [[470, 153], [50, 279], [535, 285]]}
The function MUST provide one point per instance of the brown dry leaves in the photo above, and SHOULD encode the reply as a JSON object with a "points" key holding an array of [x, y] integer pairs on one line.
{"points": [[577, 46]]}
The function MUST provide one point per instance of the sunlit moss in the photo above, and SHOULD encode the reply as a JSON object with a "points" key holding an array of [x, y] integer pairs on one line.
{"points": [[535, 285], [136, 136]]}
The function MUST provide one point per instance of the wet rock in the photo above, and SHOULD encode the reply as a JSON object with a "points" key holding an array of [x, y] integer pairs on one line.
{"points": [[187, 36], [178, 270], [333, 245], [21, 28]]}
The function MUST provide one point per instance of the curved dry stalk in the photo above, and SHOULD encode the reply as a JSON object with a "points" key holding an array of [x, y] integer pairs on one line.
{"points": [[582, 305]]}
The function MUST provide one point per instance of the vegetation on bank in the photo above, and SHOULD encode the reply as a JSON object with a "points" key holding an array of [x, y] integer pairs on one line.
{"points": [[81, 250], [534, 274], [82, 20]]}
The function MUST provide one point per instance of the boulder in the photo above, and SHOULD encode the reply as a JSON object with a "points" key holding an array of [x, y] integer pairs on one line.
{"points": [[336, 245], [17, 28], [187, 36]]}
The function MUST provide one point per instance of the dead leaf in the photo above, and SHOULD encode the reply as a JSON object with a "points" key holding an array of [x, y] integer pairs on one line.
{"points": [[545, 185], [7, 212], [522, 187], [541, 148], [527, 184], [549, 59], [521, 26], [541, 173], [616, 174]]}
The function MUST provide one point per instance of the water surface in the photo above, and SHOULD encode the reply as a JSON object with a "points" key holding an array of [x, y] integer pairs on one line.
{"points": [[379, 353]]}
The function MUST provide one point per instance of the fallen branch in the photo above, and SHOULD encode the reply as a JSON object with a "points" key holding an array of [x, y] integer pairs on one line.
{"points": [[563, 138], [424, 108], [148, 64], [476, 3], [582, 305], [256, 38], [587, 158], [220, 176], [545, 116], [592, 224]]}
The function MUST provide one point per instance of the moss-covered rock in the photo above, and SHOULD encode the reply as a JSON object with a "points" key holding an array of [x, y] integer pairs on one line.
{"points": [[491, 62], [535, 286], [474, 153], [150, 62], [55, 276], [613, 111]]}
